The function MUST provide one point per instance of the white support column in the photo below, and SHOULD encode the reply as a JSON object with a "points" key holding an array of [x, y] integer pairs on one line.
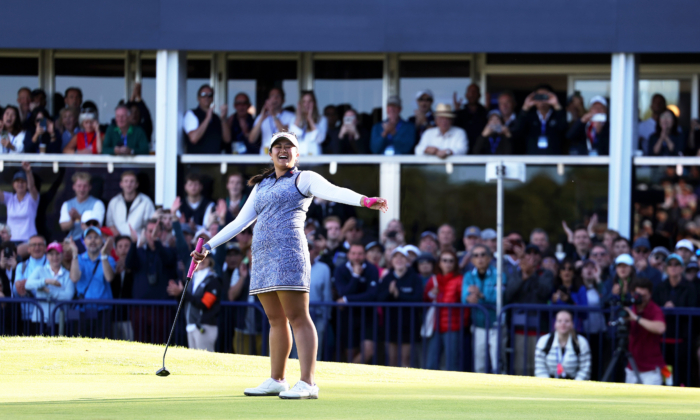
{"points": [[390, 188], [219, 80], [132, 71], [171, 91], [624, 88], [47, 76], [695, 96], [306, 71], [390, 81]]}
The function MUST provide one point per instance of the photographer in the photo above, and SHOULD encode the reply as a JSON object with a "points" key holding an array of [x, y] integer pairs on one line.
{"points": [[647, 326], [496, 139], [349, 138], [563, 354], [542, 123]]}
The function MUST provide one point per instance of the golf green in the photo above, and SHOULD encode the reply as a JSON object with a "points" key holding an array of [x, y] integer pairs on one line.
{"points": [[73, 378]]}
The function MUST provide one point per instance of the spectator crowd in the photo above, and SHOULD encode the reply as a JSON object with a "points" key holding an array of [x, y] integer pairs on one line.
{"points": [[541, 125]]}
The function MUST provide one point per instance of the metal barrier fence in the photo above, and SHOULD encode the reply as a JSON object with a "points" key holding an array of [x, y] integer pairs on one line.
{"points": [[375, 333]]}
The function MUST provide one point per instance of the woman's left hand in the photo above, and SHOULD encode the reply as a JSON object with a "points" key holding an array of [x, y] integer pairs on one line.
{"points": [[381, 204]]}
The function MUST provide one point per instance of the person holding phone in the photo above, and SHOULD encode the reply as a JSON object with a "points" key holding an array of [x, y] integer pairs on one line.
{"points": [[350, 138], [590, 134], [496, 138], [541, 124], [43, 136]]}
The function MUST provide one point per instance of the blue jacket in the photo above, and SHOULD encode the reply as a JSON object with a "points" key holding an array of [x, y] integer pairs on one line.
{"points": [[488, 289], [404, 139], [362, 288]]}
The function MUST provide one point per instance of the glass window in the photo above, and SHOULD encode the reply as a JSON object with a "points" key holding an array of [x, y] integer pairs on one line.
{"points": [[148, 87], [543, 201], [16, 73], [444, 78], [198, 74], [256, 77], [101, 80], [591, 88], [670, 89], [357, 83]]}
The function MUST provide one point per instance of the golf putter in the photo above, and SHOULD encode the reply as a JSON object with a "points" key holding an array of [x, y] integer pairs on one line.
{"points": [[163, 371]]}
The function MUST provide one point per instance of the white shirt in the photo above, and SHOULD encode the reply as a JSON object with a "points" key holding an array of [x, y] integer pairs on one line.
{"points": [[646, 128], [269, 128], [310, 141], [138, 214], [455, 139], [17, 141], [191, 122], [308, 183]]}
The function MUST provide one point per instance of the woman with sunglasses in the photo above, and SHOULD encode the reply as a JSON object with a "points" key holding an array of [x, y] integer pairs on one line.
{"points": [[280, 272], [446, 288], [568, 287]]}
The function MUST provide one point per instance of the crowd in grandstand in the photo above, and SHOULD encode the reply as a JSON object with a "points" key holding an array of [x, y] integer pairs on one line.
{"points": [[541, 125], [125, 248]]}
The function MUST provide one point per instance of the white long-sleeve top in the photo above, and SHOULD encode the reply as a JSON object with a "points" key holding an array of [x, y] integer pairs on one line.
{"points": [[577, 367], [309, 183], [455, 139], [310, 141]]}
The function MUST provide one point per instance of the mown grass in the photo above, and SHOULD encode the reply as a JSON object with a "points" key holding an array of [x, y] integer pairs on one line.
{"points": [[73, 378]]}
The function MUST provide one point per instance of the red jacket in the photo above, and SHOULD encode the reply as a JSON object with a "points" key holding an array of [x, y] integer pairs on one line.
{"points": [[449, 291]]}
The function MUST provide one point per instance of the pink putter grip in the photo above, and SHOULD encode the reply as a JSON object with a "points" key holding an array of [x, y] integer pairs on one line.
{"points": [[369, 202], [193, 264]]}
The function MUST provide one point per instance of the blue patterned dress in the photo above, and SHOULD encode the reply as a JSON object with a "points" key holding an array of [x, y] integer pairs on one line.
{"points": [[280, 249]]}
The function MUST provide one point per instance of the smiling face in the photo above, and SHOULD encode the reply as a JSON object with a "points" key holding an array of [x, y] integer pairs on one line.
{"points": [[284, 154], [234, 185], [205, 98], [121, 117], [9, 117], [564, 324]]}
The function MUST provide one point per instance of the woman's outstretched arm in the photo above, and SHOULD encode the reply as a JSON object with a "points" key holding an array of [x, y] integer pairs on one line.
{"points": [[311, 183]]}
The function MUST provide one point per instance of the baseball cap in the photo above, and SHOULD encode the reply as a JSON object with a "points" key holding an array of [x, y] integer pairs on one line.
{"points": [[472, 231], [488, 234], [54, 246], [684, 243], [429, 233], [624, 259], [19, 175], [692, 265], [89, 215], [393, 100], [399, 250], [411, 248], [641, 243], [200, 232], [598, 99], [92, 229], [286, 135], [423, 92], [426, 256], [373, 244], [660, 250], [532, 247], [186, 228], [675, 257]]}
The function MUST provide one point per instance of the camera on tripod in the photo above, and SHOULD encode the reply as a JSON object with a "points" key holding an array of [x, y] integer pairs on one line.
{"points": [[625, 301]]}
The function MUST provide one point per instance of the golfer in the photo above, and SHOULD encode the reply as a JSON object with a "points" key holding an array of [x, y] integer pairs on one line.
{"points": [[280, 274]]}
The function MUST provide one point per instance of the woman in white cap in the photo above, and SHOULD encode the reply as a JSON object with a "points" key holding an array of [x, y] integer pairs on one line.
{"points": [[617, 286], [280, 274], [22, 205], [88, 140]]}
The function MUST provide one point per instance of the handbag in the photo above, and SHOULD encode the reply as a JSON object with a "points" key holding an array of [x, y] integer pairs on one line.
{"points": [[428, 327]]}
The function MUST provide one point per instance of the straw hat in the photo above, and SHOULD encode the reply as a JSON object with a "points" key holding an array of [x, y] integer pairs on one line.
{"points": [[444, 110]]}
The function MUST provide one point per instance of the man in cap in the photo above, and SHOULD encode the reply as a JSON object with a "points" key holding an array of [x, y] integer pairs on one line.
{"points": [[429, 242], [91, 272], [685, 249], [489, 237], [471, 238], [423, 117], [471, 118], [641, 250], [590, 134], [393, 136], [426, 267], [657, 259], [444, 140]]}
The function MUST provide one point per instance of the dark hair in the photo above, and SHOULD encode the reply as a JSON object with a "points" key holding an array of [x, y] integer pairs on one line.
{"points": [[455, 267], [356, 244], [641, 283], [121, 237], [674, 127], [77, 89], [279, 89], [247, 98], [484, 247], [259, 177], [24, 88], [17, 125], [622, 238], [194, 177], [544, 86], [576, 281], [204, 86], [579, 227], [128, 173], [36, 93]]}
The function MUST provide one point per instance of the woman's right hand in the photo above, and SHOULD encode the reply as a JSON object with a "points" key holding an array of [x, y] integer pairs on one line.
{"points": [[198, 257]]}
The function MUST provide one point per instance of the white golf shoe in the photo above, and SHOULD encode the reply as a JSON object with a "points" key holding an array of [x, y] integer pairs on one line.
{"points": [[269, 388], [301, 391]]}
